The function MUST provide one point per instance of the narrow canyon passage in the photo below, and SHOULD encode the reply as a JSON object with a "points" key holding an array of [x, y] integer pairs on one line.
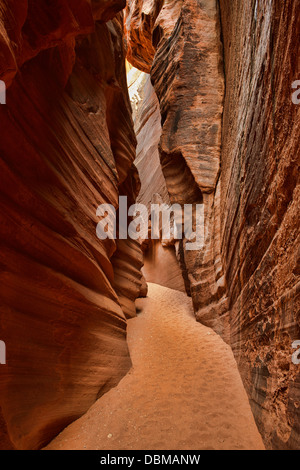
{"points": [[187, 105], [184, 390]]}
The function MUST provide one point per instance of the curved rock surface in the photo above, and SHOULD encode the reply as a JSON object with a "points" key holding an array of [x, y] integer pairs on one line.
{"points": [[187, 75], [67, 145], [217, 127], [160, 263]]}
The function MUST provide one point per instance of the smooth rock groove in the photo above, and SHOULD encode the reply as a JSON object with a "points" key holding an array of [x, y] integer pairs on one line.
{"points": [[183, 392], [67, 145]]}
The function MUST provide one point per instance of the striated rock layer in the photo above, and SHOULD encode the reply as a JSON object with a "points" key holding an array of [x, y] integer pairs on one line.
{"points": [[160, 263], [260, 204], [243, 165], [67, 145], [187, 74]]}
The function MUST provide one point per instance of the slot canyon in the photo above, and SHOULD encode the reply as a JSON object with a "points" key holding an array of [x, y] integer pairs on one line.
{"points": [[124, 343]]}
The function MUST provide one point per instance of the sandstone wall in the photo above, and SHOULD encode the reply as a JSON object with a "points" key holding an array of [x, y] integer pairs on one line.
{"points": [[160, 263], [221, 131], [188, 59], [67, 145], [260, 207], [234, 149]]}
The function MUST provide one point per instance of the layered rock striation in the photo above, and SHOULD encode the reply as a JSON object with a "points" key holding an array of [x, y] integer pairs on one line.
{"points": [[67, 145], [234, 149], [187, 75], [260, 207], [215, 126], [160, 263]]}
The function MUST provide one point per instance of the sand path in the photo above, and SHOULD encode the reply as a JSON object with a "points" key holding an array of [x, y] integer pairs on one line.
{"points": [[183, 392]]}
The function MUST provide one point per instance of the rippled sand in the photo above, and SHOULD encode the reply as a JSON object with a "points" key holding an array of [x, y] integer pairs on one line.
{"points": [[183, 392]]}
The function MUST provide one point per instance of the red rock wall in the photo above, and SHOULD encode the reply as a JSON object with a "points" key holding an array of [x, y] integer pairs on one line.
{"points": [[67, 145], [161, 266], [160, 263], [245, 282], [188, 59], [260, 207]]}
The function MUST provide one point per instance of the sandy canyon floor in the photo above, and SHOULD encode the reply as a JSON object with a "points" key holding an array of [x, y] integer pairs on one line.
{"points": [[183, 392]]}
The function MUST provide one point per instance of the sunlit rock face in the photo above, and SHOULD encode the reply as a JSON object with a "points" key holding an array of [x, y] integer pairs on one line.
{"points": [[67, 145], [236, 153], [187, 75], [160, 263]]}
